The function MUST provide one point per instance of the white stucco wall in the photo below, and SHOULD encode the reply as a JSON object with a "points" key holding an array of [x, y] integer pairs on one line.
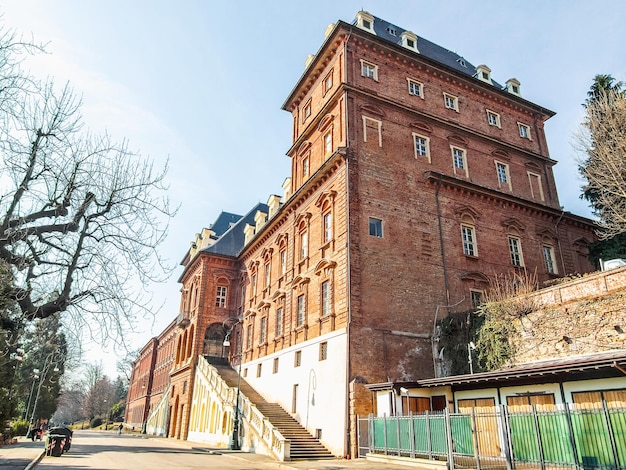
{"points": [[321, 401]]}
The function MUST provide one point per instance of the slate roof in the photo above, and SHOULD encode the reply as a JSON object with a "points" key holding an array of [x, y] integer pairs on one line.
{"points": [[428, 49], [224, 222], [231, 240]]}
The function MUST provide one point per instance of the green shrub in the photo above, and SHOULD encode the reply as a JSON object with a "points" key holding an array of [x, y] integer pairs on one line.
{"points": [[95, 422], [19, 427]]}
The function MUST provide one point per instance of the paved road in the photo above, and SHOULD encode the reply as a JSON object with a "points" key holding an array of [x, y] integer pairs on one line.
{"points": [[111, 452], [108, 451]]}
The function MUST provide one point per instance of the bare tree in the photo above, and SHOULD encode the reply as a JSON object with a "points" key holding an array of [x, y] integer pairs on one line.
{"points": [[81, 215], [603, 140]]}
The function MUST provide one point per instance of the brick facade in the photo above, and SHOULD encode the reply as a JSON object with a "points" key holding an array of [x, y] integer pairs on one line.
{"points": [[399, 208]]}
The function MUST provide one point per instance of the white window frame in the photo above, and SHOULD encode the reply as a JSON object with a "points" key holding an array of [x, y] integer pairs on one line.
{"points": [[220, 297], [468, 236], [306, 110], [305, 167], [505, 171], [267, 272], [279, 322], [414, 85], [379, 126], [493, 119], [304, 245], [263, 338], [328, 142], [515, 251], [327, 226], [456, 153], [421, 146], [283, 262], [524, 131], [369, 70], [301, 310], [549, 259], [328, 82], [451, 101], [325, 298]]}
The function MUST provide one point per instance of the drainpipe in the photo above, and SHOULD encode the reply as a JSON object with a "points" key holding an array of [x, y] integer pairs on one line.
{"points": [[443, 250], [558, 240]]}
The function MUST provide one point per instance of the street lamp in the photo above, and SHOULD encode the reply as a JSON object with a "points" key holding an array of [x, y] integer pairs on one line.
{"points": [[46, 367], [32, 387], [470, 346], [234, 441]]}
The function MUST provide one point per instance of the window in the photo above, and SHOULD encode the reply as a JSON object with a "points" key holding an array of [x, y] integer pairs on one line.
{"points": [[515, 249], [469, 240], [421, 146], [325, 291], [301, 310], [279, 321], [304, 245], [268, 274], [451, 102], [502, 170], [372, 129], [524, 130], [369, 70], [391, 30], [263, 330], [249, 337], [376, 227], [328, 142], [307, 111], [220, 298], [536, 190], [548, 257], [459, 162], [493, 118], [328, 226], [258, 370], [328, 82], [323, 351], [305, 168], [275, 367], [476, 297], [415, 88], [253, 282], [297, 359], [283, 262]]}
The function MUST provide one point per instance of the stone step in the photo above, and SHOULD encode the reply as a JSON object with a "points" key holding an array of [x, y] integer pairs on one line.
{"points": [[303, 445]]}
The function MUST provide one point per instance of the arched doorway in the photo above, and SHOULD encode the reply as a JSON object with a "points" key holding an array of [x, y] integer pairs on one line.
{"points": [[213, 347]]}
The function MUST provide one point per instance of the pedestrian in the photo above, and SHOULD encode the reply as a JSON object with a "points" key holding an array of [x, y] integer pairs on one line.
{"points": [[119, 429]]}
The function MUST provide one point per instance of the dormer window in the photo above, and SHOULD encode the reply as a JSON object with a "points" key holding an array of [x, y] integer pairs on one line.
{"points": [[365, 21], [391, 30], [483, 73], [513, 86], [409, 40]]}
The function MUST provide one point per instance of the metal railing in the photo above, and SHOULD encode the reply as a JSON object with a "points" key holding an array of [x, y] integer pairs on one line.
{"points": [[502, 439]]}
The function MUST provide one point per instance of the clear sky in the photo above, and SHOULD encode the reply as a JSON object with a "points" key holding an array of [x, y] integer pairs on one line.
{"points": [[202, 82]]}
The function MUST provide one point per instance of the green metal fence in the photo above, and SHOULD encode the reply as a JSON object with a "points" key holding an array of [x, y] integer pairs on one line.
{"points": [[577, 439]]}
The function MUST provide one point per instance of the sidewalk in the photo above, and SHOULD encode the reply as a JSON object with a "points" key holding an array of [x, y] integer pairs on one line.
{"points": [[25, 455], [20, 456]]}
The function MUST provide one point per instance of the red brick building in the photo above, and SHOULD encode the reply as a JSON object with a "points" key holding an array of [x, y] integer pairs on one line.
{"points": [[416, 177]]}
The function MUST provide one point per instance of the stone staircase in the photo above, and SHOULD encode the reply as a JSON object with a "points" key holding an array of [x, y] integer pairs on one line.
{"points": [[303, 445]]}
